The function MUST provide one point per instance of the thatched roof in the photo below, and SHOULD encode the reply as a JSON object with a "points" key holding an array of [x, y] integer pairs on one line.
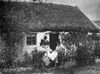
{"points": [[47, 17]]}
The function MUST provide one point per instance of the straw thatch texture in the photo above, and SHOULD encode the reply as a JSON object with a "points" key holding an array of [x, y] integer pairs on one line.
{"points": [[46, 17]]}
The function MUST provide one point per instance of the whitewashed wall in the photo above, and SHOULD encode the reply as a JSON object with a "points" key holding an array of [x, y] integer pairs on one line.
{"points": [[41, 36], [30, 48]]}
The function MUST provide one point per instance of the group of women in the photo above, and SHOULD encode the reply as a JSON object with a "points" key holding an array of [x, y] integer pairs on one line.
{"points": [[57, 56]]}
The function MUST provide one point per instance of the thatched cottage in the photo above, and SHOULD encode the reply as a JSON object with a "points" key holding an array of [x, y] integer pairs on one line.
{"points": [[46, 19]]}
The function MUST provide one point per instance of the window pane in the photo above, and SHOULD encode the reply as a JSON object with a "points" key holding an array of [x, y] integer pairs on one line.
{"points": [[31, 40]]}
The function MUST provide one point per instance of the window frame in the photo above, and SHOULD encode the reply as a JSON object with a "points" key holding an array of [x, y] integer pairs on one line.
{"points": [[33, 35]]}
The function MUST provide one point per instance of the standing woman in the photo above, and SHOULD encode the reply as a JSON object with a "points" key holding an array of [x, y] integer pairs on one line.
{"points": [[61, 52]]}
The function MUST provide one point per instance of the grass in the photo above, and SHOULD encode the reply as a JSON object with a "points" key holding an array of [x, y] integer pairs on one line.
{"points": [[69, 68], [93, 69], [66, 69]]}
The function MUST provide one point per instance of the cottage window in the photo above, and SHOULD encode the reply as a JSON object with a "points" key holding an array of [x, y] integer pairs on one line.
{"points": [[31, 40]]}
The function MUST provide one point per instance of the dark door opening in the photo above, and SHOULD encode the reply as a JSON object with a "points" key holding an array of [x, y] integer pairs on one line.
{"points": [[53, 39]]}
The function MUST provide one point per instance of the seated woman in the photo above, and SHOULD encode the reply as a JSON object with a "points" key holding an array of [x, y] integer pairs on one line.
{"points": [[45, 44], [44, 41]]}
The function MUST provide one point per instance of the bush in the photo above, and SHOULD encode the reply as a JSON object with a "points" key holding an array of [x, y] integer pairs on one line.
{"points": [[37, 59], [27, 59], [61, 58], [25, 62], [84, 56]]}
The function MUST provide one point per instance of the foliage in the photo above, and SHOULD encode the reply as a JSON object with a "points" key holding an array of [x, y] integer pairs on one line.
{"points": [[85, 56], [37, 59], [25, 62], [85, 46], [61, 59], [77, 37], [11, 37], [27, 59]]}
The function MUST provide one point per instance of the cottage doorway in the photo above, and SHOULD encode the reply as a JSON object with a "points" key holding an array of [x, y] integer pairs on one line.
{"points": [[53, 39]]}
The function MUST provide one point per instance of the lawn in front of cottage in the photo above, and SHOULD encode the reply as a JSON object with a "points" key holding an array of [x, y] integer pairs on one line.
{"points": [[66, 69], [69, 68]]}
